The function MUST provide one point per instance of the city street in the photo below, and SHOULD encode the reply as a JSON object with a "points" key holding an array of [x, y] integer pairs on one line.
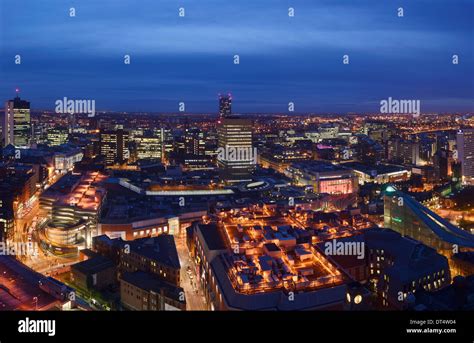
{"points": [[23, 224], [195, 300]]}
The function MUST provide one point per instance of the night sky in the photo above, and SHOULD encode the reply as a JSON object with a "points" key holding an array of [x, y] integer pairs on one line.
{"points": [[282, 59]]}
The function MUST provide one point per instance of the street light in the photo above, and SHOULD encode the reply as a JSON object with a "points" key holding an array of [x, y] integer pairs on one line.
{"points": [[35, 300]]}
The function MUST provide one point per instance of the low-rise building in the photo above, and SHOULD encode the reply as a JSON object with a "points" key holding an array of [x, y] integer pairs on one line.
{"points": [[402, 266], [97, 272], [156, 255], [142, 291]]}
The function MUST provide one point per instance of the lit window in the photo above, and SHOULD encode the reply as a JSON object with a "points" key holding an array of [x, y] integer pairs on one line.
{"points": [[358, 299]]}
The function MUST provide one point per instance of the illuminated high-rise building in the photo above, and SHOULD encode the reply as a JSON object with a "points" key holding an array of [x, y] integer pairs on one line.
{"points": [[17, 123], [149, 147], [57, 136], [465, 150], [236, 156], [114, 146], [404, 151], [225, 105], [194, 141]]}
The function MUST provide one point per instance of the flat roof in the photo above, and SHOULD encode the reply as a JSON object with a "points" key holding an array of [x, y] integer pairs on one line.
{"points": [[161, 248], [81, 190], [317, 166], [121, 208], [93, 265], [212, 236], [277, 300], [19, 285], [378, 168]]}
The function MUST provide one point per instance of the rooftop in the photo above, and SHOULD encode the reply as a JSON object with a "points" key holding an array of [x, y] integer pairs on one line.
{"points": [[161, 248], [376, 169], [82, 190], [93, 265], [212, 236], [274, 255], [317, 166], [19, 285], [330, 297], [410, 256], [124, 206]]}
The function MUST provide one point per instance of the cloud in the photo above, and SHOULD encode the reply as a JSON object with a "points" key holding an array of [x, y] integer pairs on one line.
{"points": [[216, 27], [281, 57]]}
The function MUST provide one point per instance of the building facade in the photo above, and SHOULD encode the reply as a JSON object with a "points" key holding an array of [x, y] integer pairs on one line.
{"points": [[17, 123], [465, 150], [236, 156], [114, 146]]}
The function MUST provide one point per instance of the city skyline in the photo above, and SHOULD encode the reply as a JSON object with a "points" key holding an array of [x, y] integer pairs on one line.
{"points": [[270, 156], [215, 112], [282, 59]]}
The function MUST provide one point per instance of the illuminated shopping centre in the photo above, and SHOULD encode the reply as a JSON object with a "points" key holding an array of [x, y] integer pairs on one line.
{"points": [[323, 177]]}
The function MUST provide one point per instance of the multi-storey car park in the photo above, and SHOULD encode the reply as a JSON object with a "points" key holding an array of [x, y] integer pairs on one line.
{"points": [[71, 206]]}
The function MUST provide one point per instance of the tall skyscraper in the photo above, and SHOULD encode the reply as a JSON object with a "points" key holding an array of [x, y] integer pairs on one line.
{"points": [[17, 123], [225, 105], [404, 151], [236, 156], [194, 141], [465, 149], [114, 146]]}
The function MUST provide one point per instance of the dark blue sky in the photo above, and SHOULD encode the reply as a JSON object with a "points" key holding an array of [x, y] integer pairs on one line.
{"points": [[282, 59]]}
